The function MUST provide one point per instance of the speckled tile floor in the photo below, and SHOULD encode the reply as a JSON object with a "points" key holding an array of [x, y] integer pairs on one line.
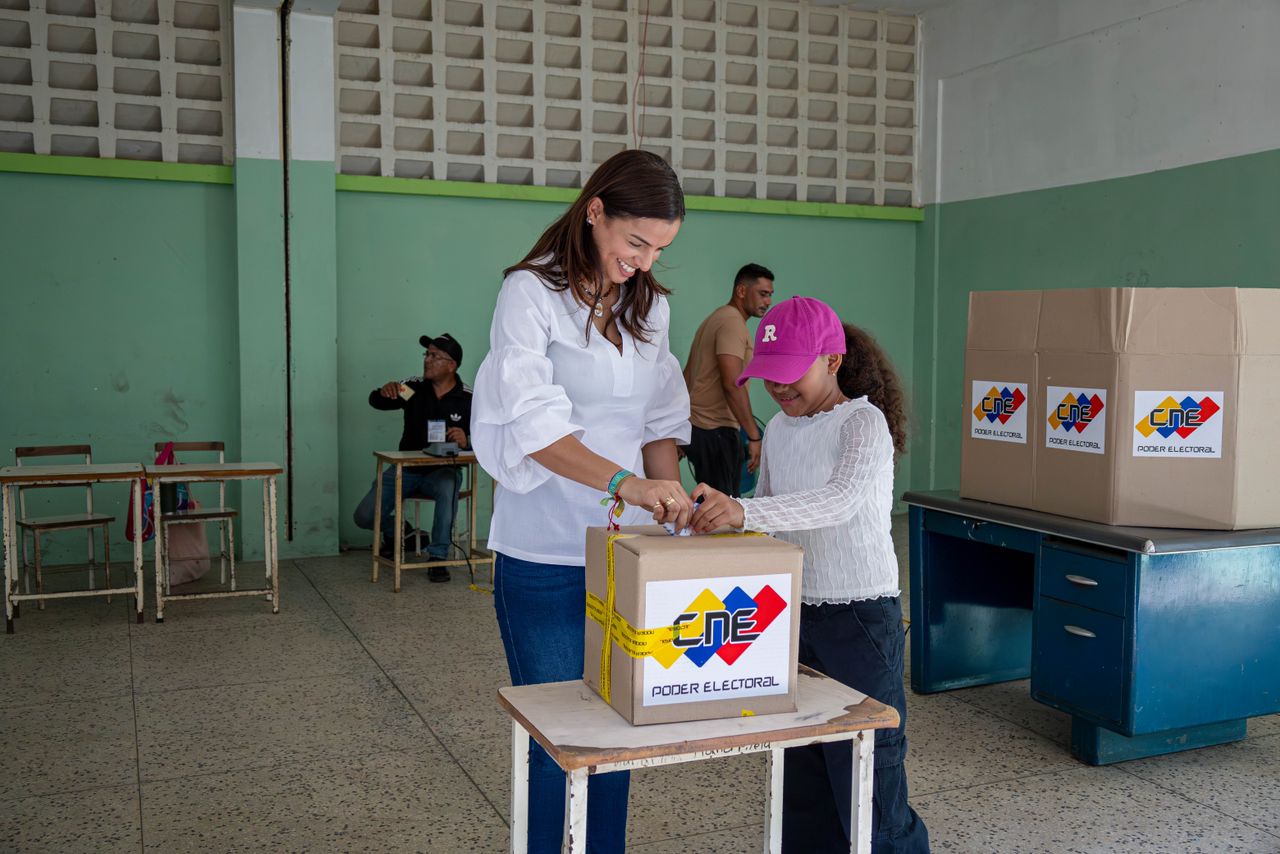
{"points": [[359, 720]]}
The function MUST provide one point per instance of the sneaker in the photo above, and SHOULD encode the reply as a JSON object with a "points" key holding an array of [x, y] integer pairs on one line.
{"points": [[438, 574]]}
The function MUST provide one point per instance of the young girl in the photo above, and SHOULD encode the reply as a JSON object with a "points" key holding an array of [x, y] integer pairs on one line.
{"points": [[826, 484]]}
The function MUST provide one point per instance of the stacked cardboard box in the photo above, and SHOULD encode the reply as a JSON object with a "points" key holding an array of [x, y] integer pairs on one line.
{"points": [[699, 627], [1127, 406]]}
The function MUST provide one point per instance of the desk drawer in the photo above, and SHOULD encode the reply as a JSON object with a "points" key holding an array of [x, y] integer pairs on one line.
{"points": [[1093, 577], [1077, 660], [991, 533]]}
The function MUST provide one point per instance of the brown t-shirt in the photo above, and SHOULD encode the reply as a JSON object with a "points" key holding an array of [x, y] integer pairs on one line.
{"points": [[723, 333]]}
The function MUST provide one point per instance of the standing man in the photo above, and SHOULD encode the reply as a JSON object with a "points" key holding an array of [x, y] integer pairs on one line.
{"points": [[438, 399], [717, 406]]}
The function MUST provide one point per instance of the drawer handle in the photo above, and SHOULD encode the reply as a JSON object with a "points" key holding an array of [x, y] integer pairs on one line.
{"points": [[1079, 632], [1082, 581]]}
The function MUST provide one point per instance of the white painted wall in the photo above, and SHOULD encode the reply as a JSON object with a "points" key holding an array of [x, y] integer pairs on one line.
{"points": [[311, 91], [257, 80], [1025, 94]]}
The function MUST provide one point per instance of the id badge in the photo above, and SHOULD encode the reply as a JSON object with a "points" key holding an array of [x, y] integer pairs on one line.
{"points": [[435, 431]]}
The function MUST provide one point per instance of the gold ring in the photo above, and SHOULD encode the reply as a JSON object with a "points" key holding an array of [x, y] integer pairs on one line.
{"points": [[668, 501]]}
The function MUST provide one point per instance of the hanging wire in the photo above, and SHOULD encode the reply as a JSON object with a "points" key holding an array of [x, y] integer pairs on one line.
{"points": [[636, 135]]}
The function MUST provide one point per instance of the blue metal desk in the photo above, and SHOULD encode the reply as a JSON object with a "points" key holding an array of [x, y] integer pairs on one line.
{"points": [[1154, 640]]}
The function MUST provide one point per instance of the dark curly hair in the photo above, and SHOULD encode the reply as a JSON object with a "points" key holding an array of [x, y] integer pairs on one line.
{"points": [[867, 370]]}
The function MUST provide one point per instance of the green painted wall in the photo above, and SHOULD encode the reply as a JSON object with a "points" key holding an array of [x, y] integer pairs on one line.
{"points": [[313, 321], [136, 311], [259, 256], [118, 324], [1209, 224], [409, 265]]}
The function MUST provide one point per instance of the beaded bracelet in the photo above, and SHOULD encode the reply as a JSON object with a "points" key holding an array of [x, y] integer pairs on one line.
{"points": [[616, 481]]}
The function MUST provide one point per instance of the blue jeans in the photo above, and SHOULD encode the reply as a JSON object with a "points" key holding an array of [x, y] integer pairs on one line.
{"points": [[541, 608], [439, 483], [861, 645]]}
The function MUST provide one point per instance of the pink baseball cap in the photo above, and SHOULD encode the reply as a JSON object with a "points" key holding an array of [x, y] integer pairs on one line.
{"points": [[794, 333]]}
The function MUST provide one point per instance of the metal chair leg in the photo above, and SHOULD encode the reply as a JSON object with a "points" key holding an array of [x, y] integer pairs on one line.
{"points": [[35, 538], [164, 560], [417, 528], [231, 552], [222, 551], [22, 558], [93, 563], [106, 558]]}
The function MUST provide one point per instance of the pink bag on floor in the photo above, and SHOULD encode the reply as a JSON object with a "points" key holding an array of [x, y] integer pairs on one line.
{"points": [[188, 551]]}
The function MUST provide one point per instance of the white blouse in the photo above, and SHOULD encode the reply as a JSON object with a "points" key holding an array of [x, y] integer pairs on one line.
{"points": [[544, 379], [826, 484]]}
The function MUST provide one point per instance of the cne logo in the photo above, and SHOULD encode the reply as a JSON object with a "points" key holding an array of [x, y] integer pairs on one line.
{"points": [[1183, 417], [711, 626], [770, 334], [1075, 411], [999, 405]]}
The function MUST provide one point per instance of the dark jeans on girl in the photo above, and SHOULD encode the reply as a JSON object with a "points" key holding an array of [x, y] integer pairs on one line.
{"points": [[861, 645], [541, 608]]}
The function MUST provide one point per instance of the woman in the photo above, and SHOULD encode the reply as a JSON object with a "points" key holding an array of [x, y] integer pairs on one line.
{"points": [[579, 390]]}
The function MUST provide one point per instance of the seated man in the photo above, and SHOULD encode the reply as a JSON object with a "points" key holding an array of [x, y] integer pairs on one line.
{"points": [[438, 399]]}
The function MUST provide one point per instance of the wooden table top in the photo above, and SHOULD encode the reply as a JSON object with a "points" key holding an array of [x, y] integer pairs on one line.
{"points": [[190, 471], [579, 729], [78, 473], [422, 458]]}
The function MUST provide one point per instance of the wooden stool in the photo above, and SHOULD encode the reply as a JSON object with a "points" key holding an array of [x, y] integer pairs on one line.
{"points": [[585, 736]]}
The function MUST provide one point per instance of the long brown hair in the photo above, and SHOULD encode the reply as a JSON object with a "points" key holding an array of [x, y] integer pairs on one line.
{"points": [[632, 184], [867, 370]]}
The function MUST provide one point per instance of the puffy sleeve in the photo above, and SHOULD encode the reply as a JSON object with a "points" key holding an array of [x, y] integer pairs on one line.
{"points": [[668, 413], [517, 407], [865, 449]]}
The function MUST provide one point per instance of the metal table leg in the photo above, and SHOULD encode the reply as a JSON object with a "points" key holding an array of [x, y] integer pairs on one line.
{"points": [[860, 816], [159, 551], [773, 809], [272, 550], [519, 789], [377, 517], [135, 495], [398, 532], [575, 814], [9, 578]]}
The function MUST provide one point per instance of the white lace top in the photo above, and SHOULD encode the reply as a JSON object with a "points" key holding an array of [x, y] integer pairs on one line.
{"points": [[542, 380], [826, 484]]}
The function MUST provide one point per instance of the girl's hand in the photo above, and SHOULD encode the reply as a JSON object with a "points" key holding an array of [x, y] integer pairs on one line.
{"points": [[665, 499], [717, 511]]}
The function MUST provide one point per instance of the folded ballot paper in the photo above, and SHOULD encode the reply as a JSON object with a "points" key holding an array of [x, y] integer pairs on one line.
{"points": [[691, 628]]}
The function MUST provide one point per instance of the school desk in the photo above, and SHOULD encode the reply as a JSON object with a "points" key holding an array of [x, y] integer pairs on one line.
{"points": [[1154, 640], [585, 736]]}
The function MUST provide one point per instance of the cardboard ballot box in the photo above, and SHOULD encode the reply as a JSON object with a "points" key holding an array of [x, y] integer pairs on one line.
{"points": [[699, 627], [1151, 406], [1000, 393]]}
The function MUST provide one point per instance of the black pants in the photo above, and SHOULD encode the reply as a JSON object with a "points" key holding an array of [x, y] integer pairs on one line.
{"points": [[861, 645], [716, 456]]}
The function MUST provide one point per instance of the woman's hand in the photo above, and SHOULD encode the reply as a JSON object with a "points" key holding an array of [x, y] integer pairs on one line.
{"points": [[665, 499], [716, 511]]}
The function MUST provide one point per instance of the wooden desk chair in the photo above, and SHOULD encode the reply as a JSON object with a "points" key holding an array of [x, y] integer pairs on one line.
{"points": [[223, 515], [465, 493], [36, 526]]}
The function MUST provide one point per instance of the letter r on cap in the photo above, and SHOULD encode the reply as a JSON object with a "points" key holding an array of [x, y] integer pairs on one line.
{"points": [[770, 334]]}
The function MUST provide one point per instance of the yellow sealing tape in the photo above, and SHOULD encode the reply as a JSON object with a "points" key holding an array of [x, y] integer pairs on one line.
{"points": [[636, 643]]}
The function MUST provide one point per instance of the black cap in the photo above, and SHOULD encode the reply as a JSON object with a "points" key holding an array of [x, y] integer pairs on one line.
{"points": [[445, 344]]}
